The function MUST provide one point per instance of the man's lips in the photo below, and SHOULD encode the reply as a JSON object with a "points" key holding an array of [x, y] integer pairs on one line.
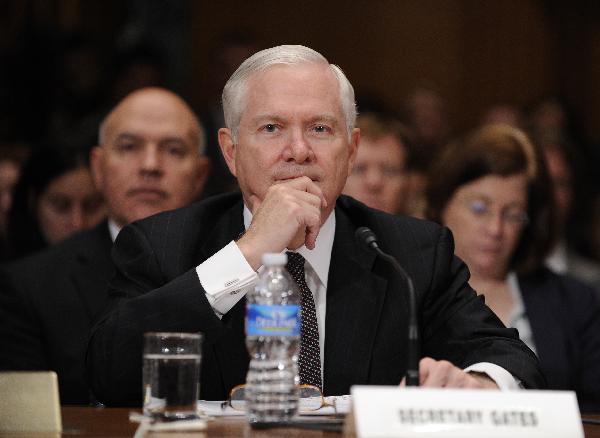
{"points": [[491, 249], [147, 192], [289, 177]]}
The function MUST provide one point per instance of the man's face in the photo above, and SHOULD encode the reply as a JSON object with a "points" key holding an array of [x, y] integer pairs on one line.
{"points": [[379, 177], [292, 125], [149, 161]]}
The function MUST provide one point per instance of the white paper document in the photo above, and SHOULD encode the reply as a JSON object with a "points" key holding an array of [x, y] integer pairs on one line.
{"points": [[339, 404]]}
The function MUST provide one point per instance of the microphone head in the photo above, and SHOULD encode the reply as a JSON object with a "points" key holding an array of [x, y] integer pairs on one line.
{"points": [[366, 237]]}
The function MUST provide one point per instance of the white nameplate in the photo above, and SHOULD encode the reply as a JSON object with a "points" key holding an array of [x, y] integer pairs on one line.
{"points": [[390, 411]]}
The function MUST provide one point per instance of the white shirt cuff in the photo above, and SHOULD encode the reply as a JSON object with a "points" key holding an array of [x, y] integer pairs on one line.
{"points": [[226, 277], [503, 378]]}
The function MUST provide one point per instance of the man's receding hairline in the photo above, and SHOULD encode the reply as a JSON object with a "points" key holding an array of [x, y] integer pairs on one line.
{"points": [[196, 128], [253, 75]]}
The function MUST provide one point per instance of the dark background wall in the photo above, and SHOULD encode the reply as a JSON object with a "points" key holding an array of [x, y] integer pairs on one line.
{"points": [[474, 52], [63, 62]]}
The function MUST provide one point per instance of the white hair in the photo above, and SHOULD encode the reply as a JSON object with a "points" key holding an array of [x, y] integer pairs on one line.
{"points": [[234, 93]]}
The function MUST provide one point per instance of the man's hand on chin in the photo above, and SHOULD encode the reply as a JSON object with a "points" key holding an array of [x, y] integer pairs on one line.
{"points": [[442, 374], [289, 216]]}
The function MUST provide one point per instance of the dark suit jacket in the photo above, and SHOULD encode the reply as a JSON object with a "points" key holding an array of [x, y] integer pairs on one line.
{"points": [[157, 289], [565, 322], [48, 303]]}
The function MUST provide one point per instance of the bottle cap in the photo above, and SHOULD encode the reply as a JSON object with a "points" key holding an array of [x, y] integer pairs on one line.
{"points": [[274, 259]]}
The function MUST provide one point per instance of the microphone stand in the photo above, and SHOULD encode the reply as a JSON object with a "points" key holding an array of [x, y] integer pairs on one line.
{"points": [[367, 236]]}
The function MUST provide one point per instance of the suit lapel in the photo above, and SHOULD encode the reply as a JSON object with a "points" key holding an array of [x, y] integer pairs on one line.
{"points": [[355, 297]]}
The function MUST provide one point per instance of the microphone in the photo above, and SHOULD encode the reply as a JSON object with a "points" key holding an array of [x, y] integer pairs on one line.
{"points": [[369, 239]]}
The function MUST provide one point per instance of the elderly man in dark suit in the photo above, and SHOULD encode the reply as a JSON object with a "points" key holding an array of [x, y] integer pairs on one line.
{"points": [[149, 159], [290, 141]]}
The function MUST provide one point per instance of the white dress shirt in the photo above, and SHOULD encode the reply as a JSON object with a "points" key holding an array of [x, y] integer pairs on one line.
{"points": [[226, 277], [113, 229], [518, 316]]}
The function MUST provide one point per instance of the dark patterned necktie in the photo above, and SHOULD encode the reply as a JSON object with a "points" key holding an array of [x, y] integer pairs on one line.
{"points": [[310, 357]]}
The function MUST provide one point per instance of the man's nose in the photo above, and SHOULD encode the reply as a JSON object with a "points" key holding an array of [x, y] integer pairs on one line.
{"points": [[299, 149], [77, 218], [373, 178], [151, 160]]}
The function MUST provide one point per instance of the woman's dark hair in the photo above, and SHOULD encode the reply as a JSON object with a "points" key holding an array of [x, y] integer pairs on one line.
{"points": [[46, 163], [498, 150]]}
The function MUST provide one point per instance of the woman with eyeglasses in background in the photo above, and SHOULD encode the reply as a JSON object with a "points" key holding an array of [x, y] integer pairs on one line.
{"points": [[492, 190]]}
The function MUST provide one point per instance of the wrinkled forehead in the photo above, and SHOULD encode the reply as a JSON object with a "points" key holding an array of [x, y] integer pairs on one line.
{"points": [[318, 74], [305, 82]]}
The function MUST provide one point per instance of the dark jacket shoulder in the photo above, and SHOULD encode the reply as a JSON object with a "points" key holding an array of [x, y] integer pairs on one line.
{"points": [[197, 218], [176, 240], [360, 213], [573, 294], [391, 229], [86, 246]]}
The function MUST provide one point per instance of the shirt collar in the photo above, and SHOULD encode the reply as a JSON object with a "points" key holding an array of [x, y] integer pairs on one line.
{"points": [[318, 258], [518, 306], [114, 229]]}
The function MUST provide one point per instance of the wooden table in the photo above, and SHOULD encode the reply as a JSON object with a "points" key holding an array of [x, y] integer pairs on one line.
{"points": [[87, 422]]}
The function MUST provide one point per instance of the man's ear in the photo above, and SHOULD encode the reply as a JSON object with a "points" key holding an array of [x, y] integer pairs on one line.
{"points": [[353, 148], [228, 148], [96, 158]]}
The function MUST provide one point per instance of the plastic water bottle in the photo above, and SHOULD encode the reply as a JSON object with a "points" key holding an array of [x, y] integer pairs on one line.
{"points": [[273, 341]]}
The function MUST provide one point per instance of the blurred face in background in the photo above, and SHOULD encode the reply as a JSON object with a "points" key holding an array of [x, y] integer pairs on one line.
{"points": [[69, 204], [429, 118], [487, 217], [562, 183], [379, 178], [9, 174], [149, 160]]}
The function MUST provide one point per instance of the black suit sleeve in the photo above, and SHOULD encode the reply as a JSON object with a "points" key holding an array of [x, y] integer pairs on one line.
{"points": [[142, 299], [21, 346], [459, 327]]}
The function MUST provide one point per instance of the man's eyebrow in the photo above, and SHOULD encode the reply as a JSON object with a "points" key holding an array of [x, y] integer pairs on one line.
{"points": [[172, 138], [165, 139], [261, 118], [127, 136], [326, 118]]}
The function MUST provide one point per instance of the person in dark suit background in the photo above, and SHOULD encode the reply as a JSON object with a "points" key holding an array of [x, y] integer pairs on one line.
{"points": [[492, 190], [290, 141], [149, 159]]}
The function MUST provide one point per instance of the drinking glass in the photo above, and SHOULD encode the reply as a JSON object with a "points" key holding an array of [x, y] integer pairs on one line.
{"points": [[171, 376]]}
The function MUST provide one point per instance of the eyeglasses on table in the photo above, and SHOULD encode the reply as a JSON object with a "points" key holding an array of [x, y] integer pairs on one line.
{"points": [[310, 399]]}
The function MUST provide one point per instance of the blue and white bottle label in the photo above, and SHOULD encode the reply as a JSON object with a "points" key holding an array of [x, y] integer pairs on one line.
{"points": [[276, 320]]}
